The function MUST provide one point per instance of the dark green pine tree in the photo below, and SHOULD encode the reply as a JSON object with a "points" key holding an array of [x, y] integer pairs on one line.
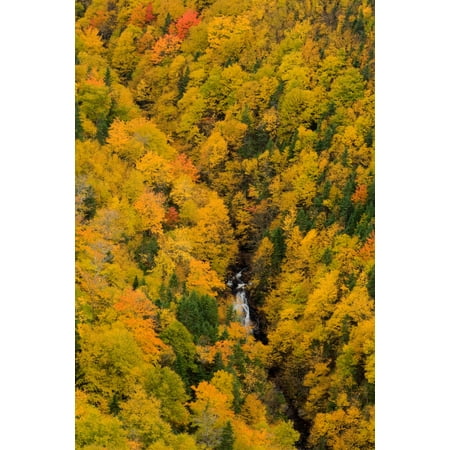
{"points": [[79, 132], [102, 129], [218, 362], [279, 248], [200, 316], [238, 359], [167, 23], [173, 282], [230, 315], [227, 439], [183, 82], [178, 337], [107, 78], [371, 282], [238, 400]]}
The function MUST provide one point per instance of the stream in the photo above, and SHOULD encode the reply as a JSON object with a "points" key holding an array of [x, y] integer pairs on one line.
{"points": [[249, 318], [241, 307]]}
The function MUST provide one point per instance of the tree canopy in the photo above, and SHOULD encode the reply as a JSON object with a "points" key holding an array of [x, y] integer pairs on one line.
{"points": [[212, 136]]}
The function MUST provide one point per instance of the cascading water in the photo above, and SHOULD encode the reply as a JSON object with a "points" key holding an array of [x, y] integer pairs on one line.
{"points": [[242, 311], [240, 306]]}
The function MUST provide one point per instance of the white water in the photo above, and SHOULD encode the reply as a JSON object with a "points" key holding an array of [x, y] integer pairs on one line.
{"points": [[241, 305]]}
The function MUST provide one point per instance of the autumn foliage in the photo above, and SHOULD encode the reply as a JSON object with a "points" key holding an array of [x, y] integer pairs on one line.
{"points": [[181, 27], [213, 136]]}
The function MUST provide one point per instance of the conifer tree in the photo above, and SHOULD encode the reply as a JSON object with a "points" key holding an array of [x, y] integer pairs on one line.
{"points": [[227, 439]]}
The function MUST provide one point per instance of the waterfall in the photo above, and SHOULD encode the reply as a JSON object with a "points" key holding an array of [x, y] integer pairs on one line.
{"points": [[241, 304]]}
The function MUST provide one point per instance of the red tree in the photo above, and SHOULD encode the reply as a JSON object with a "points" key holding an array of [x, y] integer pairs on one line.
{"points": [[181, 27]]}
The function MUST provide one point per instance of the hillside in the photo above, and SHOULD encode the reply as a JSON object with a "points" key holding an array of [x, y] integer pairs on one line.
{"points": [[218, 138]]}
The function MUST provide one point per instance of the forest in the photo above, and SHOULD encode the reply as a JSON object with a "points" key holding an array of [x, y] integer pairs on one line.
{"points": [[219, 139]]}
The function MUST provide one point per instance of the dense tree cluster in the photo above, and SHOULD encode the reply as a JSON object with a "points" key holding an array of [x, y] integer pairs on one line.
{"points": [[207, 132]]}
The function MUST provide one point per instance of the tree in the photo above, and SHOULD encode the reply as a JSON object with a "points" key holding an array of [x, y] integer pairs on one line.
{"points": [[181, 441], [167, 386], [179, 338], [342, 429], [94, 102], [347, 87], [165, 46], [284, 435], [150, 207], [227, 37], [183, 165], [125, 57], [321, 301], [191, 106], [138, 314], [181, 27], [141, 417], [133, 139], [279, 248], [213, 236], [253, 410], [79, 134], [112, 363], [95, 429], [142, 15], [297, 107], [156, 170], [199, 314], [227, 439], [210, 401], [203, 279], [212, 154]]}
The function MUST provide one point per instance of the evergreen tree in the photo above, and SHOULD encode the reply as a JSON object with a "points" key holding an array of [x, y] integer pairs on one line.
{"points": [[227, 439], [79, 132], [200, 316], [279, 248], [183, 82], [167, 22], [108, 77], [179, 338]]}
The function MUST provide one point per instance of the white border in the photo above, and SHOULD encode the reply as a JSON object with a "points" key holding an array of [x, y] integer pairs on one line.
{"points": [[36, 232], [412, 251], [37, 226]]}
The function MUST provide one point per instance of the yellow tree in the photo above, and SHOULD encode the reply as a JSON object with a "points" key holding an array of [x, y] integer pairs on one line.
{"points": [[227, 37], [254, 410], [138, 314], [94, 101], [156, 170], [181, 441], [211, 410], [88, 40], [150, 207], [233, 131], [123, 106], [191, 107], [111, 362], [212, 154], [213, 236], [132, 140], [141, 416], [343, 429], [202, 278], [168, 387], [318, 381], [95, 429], [124, 56], [321, 301]]}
